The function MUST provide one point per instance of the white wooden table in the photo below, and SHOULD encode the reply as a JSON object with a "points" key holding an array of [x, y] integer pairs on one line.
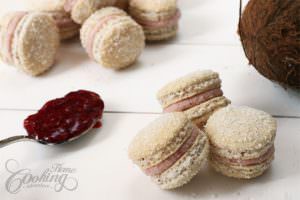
{"points": [[207, 40]]}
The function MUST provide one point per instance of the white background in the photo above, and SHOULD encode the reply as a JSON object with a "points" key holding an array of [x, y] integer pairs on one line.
{"points": [[207, 40]]}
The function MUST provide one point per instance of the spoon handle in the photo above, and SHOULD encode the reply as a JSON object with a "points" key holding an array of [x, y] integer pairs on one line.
{"points": [[14, 139]]}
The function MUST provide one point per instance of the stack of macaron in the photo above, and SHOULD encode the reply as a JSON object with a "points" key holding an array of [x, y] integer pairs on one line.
{"points": [[237, 141], [159, 18], [198, 95]]}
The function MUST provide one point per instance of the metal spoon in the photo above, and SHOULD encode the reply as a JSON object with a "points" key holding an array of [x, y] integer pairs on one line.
{"points": [[21, 138]]}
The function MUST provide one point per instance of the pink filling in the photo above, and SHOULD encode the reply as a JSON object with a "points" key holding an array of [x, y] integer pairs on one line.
{"points": [[69, 4], [12, 25], [172, 159], [249, 162], [96, 29], [194, 101], [160, 24]]}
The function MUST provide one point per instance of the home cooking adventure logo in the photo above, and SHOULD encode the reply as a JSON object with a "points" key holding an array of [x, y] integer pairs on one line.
{"points": [[56, 177]]}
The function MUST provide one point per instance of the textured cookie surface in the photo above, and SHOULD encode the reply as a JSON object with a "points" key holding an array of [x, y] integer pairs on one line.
{"points": [[112, 38], [158, 135], [187, 167], [37, 42], [45, 5], [241, 129], [188, 86], [154, 5], [82, 10]]}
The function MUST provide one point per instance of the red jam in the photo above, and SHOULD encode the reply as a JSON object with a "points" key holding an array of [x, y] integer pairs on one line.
{"points": [[63, 119]]}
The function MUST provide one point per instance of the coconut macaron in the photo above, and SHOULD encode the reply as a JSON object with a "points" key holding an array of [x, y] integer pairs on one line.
{"points": [[55, 8], [197, 94], [66, 26], [112, 38], [82, 9], [171, 150], [159, 18], [29, 41], [242, 141]]}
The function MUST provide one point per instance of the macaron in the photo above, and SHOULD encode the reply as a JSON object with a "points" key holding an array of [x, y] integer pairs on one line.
{"points": [[29, 41], [67, 27], [55, 9], [171, 150], [159, 18], [242, 141], [81, 9], [112, 38], [198, 95]]}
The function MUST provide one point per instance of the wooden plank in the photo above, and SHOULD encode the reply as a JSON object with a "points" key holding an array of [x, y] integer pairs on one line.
{"points": [[103, 169], [134, 90]]}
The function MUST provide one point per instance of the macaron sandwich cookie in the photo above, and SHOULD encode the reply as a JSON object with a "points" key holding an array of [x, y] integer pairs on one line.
{"points": [[29, 41], [55, 8], [242, 141], [81, 9], [66, 26], [171, 150], [112, 38], [159, 18], [198, 95]]}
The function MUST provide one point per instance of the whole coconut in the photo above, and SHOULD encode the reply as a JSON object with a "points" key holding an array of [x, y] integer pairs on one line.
{"points": [[270, 34]]}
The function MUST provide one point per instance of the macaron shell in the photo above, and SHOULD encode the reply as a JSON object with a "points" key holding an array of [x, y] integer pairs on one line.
{"points": [[200, 114], [82, 10], [240, 172], [141, 15], [226, 153], [158, 135], [94, 19], [154, 5], [241, 128], [120, 45], [35, 43], [161, 34], [188, 86], [68, 30], [45, 5], [187, 167]]}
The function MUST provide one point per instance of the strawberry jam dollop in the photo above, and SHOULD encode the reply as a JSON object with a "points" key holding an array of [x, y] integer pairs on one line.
{"points": [[64, 119]]}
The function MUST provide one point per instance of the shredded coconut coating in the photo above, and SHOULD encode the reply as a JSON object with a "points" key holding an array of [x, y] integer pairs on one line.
{"points": [[154, 5], [35, 43], [158, 135], [241, 172], [83, 9], [162, 11], [187, 167], [241, 129], [207, 107], [188, 86], [120, 41], [45, 5], [67, 27]]}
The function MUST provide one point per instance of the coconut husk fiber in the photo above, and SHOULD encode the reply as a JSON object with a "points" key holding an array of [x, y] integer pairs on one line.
{"points": [[270, 35]]}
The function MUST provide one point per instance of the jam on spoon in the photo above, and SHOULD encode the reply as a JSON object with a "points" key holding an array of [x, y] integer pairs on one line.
{"points": [[63, 120]]}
